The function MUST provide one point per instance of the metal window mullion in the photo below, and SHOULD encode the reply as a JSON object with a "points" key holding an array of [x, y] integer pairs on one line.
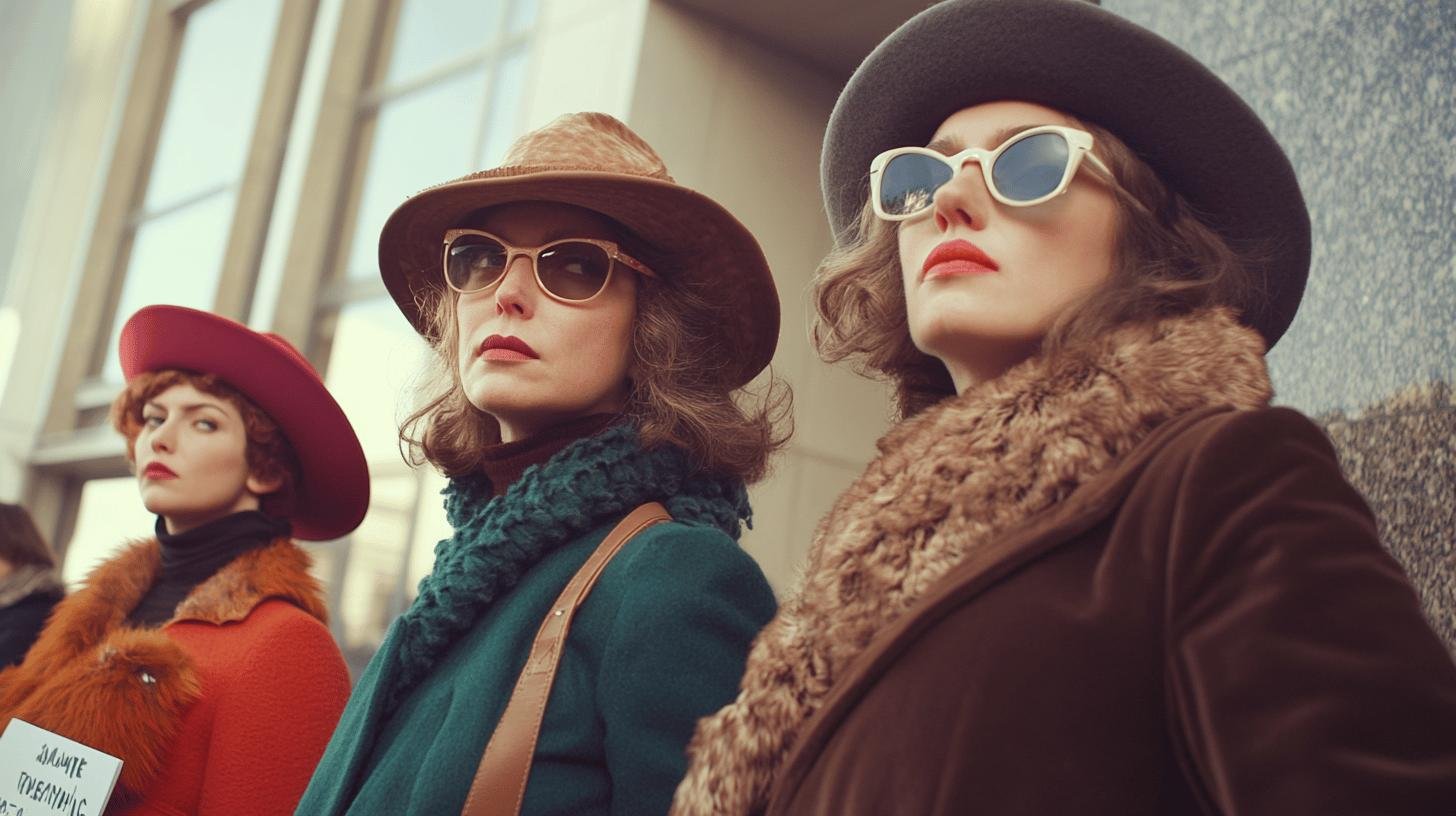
{"points": [[502, 46], [263, 165], [133, 188], [398, 602], [378, 97], [142, 215]]}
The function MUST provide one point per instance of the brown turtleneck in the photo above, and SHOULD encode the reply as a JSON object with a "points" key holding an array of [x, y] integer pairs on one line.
{"points": [[503, 464]]}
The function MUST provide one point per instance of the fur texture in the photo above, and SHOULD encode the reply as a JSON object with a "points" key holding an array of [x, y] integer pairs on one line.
{"points": [[946, 482], [124, 690]]}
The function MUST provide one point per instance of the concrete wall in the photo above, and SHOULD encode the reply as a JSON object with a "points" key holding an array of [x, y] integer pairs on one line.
{"points": [[743, 124], [1362, 95]]}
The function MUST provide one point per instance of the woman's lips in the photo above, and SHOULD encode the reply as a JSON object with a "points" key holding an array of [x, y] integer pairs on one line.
{"points": [[506, 349], [158, 471], [957, 258]]}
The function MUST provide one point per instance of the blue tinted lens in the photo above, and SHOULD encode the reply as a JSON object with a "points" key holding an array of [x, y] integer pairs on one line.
{"points": [[1032, 168], [909, 181]]}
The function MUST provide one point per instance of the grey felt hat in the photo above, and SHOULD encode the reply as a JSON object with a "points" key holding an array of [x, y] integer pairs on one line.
{"points": [[1191, 128]]}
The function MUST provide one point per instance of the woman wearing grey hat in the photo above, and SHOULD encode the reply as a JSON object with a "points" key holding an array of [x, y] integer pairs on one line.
{"points": [[1092, 570]]}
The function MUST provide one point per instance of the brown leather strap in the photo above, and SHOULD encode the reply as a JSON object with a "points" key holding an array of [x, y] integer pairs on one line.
{"points": [[500, 781]]}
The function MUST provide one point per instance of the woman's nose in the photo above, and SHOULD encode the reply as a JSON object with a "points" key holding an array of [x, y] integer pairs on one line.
{"points": [[164, 438], [517, 290], [964, 200]]}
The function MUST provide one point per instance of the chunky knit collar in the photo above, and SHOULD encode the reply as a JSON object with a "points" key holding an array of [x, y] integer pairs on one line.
{"points": [[947, 481], [497, 540]]}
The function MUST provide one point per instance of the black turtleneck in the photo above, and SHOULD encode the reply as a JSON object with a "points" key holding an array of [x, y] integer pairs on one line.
{"points": [[192, 557]]}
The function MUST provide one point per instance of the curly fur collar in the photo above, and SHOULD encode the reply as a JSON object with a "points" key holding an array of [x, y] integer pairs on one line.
{"points": [[498, 539], [947, 481], [124, 690]]}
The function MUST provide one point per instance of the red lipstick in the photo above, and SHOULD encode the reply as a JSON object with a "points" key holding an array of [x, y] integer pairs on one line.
{"points": [[157, 471], [958, 257], [504, 348]]}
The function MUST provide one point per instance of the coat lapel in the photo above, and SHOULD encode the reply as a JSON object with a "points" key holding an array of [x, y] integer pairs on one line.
{"points": [[982, 570]]}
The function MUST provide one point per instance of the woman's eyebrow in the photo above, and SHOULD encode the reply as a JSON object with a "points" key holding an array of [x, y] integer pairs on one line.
{"points": [[950, 146], [187, 408]]}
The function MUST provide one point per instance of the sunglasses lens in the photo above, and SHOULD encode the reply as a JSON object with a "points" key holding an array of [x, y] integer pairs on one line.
{"points": [[473, 262], [1033, 167], [908, 183], [574, 270]]}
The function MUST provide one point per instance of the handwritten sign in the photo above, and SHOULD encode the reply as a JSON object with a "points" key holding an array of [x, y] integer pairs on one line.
{"points": [[45, 774]]}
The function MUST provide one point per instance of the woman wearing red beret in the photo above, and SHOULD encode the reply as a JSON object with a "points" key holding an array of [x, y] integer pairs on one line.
{"points": [[201, 657]]}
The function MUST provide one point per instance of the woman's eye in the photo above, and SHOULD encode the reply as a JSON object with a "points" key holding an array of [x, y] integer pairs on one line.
{"points": [[206, 425], [152, 420]]}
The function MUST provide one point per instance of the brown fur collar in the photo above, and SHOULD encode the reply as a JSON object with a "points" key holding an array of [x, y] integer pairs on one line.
{"points": [[947, 481], [123, 690]]}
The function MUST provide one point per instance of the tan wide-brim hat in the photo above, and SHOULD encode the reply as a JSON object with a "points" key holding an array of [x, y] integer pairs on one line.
{"points": [[594, 161]]}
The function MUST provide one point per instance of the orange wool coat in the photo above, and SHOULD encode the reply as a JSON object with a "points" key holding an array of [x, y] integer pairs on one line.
{"points": [[223, 710]]}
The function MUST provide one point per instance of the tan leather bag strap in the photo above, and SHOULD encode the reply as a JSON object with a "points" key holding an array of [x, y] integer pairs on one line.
{"points": [[500, 781]]}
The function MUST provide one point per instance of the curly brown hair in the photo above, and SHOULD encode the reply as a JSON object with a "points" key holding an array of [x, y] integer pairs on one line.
{"points": [[678, 396], [269, 454], [1166, 261]]}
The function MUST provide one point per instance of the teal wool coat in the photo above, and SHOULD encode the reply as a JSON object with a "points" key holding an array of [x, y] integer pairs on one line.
{"points": [[659, 643]]}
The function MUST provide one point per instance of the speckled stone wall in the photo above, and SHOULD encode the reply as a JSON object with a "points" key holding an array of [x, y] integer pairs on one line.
{"points": [[1362, 95]]}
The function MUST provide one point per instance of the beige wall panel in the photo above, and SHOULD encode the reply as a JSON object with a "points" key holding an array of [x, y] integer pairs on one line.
{"points": [[841, 414], [743, 124], [821, 482]]}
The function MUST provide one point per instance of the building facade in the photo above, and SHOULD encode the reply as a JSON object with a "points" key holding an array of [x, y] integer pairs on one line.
{"points": [[241, 156]]}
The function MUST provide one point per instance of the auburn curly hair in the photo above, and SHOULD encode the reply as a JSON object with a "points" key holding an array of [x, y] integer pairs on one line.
{"points": [[1166, 261], [269, 454]]}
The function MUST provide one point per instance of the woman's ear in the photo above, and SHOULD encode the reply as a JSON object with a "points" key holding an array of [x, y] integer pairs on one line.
{"points": [[261, 486]]}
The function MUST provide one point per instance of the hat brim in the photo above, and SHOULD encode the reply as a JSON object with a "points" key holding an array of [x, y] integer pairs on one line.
{"points": [[694, 234], [333, 489], [1191, 128]]}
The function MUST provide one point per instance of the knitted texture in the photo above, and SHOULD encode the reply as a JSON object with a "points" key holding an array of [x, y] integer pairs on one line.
{"points": [[496, 540]]}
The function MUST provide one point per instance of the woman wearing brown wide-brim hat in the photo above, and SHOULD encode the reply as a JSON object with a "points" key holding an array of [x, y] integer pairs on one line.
{"points": [[1092, 571], [594, 324], [202, 657]]}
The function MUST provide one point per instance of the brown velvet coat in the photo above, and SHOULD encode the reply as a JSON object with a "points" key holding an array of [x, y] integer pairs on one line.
{"points": [[1113, 582]]}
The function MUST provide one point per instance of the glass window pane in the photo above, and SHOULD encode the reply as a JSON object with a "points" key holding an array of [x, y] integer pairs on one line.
{"points": [[111, 515], [175, 259], [433, 32], [374, 365], [422, 139], [295, 164], [430, 528], [375, 362], [373, 591], [523, 16], [214, 99], [503, 125]]}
